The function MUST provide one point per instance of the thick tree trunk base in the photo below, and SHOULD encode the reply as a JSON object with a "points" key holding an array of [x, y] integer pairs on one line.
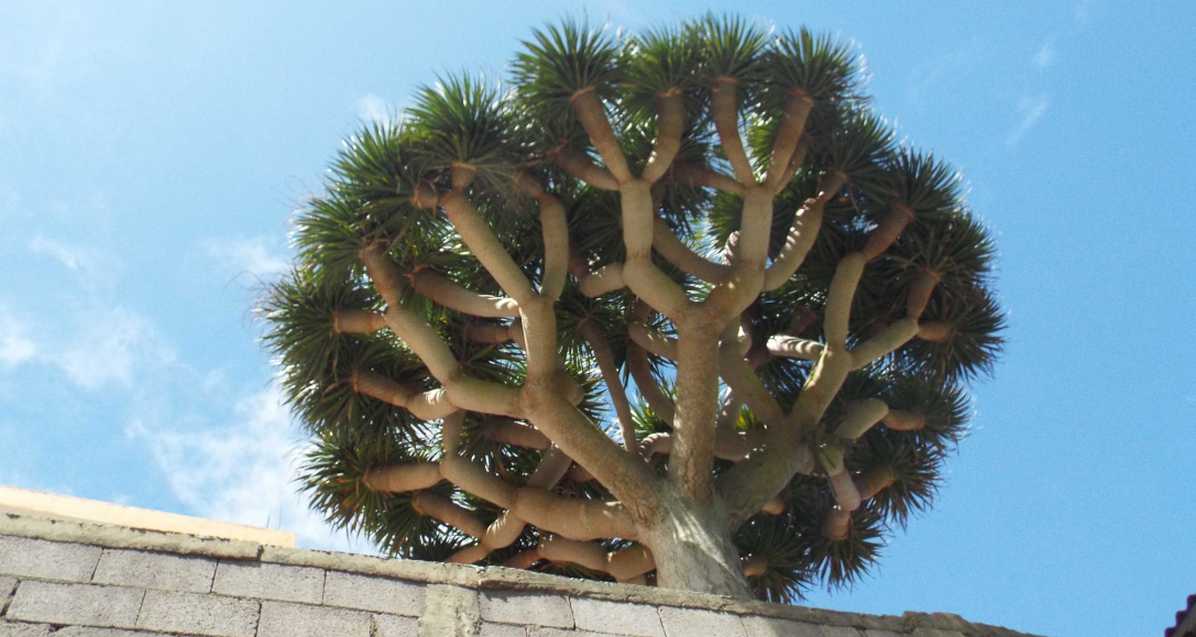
{"points": [[693, 550]]}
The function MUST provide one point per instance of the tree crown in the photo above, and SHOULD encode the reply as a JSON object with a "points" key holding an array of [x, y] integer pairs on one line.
{"points": [[711, 213]]}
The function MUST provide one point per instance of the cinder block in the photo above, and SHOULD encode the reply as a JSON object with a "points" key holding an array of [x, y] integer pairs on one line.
{"points": [[270, 581], [89, 631], [380, 594], [13, 629], [7, 586], [683, 622], [24, 557], [155, 570], [770, 626], [85, 604], [502, 630], [283, 619], [545, 631], [199, 614], [622, 618], [396, 626], [541, 609]]}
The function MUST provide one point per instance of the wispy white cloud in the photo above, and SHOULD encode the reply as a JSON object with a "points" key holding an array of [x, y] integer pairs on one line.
{"points": [[1044, 57], [113, 347], [1030, 110], [93, 266], [255, 256], [1082, 12], [241, 472], [68, 256], [371, 108], [16, 346]]}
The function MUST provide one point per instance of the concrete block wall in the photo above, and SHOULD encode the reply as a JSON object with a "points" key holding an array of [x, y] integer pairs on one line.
{"points": [[70, 579]]}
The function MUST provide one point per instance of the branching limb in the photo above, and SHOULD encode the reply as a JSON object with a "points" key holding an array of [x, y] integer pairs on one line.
{"points": [[754, 565], [516, 434], [802, 233], [670, 123], [891, 226], [571, 517], [637, 365], [580, 167], [508, 527], [919, 292], [793, 122], [676, 252], [448, 512], [747, 485], [728, 445], [706, 177], [600, 346], [886, 342], [361, 322], [902, 420], [592, 116], [724, 108], [477, 235], [730, 298], [794, 347], [640, 274], [425, 405], [861, 417], [495, 333], [604, 280], [453, 296], [653, 341], [625, 475], [555, 230], [623, 565], [746, 384]]}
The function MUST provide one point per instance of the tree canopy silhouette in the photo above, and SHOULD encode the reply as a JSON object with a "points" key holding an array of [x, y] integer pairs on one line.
{"points": [[674, 307]]}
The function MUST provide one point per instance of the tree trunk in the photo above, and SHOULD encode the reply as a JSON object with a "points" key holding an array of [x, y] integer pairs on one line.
{"points": [[693, 550]]}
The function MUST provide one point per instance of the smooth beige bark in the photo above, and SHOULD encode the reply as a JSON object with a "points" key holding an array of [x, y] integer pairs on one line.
{"points": [[724, 109], [455, 297]]}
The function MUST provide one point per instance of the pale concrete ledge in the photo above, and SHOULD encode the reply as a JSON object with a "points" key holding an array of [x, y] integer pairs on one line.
{"points": [[65, 507], [67, 573]]}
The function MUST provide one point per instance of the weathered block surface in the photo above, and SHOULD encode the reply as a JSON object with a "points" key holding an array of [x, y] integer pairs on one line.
{"points": [[545, 631], [682, 622], [395, 626], [24, 630], [768, 626], [537, 609], [155, 570], [283, 619], [82, 604], [349, 590], [24, 557], [198, 614], [502, 630], [68, 579], [270, 581], [88, 631], [637, 620]]}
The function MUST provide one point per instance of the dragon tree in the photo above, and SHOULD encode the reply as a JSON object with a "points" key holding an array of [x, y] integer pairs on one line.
{"points": [[674, 308]]}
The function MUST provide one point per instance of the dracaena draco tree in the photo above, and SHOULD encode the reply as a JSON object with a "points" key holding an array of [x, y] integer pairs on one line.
{"points": [[674, 308]]}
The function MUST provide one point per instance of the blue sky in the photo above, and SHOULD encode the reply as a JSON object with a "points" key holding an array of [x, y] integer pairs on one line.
{"points": [[150, 157]]}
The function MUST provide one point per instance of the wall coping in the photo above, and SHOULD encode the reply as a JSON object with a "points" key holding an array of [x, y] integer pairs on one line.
{"points": [[475, 577], [54, 505]]}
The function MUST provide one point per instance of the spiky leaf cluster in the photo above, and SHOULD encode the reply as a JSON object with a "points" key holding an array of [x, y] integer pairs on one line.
{"points": [[502, 132]]}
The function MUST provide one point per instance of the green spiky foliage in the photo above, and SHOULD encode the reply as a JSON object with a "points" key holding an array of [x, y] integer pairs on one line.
{"points": [[518, 131]]}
